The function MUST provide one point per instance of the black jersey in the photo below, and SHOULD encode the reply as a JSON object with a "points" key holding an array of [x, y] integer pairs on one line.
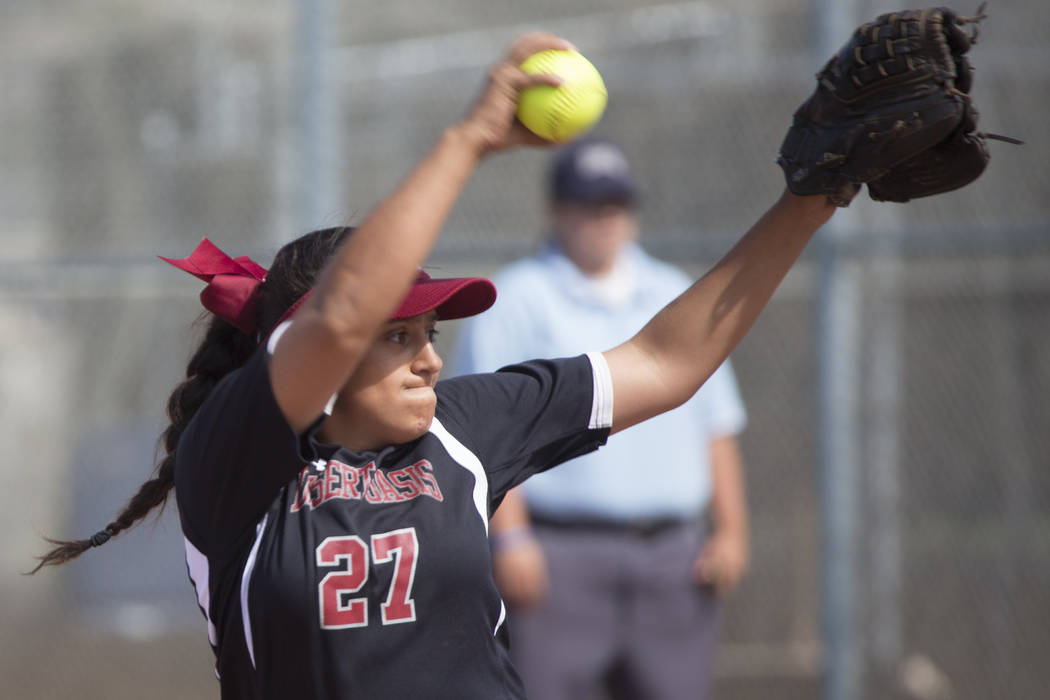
{"points": [[327, 573]]}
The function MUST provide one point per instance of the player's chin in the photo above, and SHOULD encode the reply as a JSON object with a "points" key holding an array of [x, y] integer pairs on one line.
{"points": [[419, 406]]}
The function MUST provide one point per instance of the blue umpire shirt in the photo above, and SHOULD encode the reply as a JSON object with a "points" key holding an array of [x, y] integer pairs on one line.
{"points": [[547, 308]]}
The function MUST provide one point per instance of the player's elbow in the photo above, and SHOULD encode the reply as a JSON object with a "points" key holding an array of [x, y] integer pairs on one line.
{"points": [[342, 325], [647, 382]]}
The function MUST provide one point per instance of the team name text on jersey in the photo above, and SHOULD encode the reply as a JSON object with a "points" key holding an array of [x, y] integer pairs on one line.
{"points": [[367, 483]]}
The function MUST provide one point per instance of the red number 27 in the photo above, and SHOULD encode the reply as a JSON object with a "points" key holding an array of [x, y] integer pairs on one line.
{"points": [[338, 609]]}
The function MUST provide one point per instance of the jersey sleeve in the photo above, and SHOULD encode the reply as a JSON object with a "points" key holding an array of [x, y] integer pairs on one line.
{"points": [[529, 417], [234, 457]]}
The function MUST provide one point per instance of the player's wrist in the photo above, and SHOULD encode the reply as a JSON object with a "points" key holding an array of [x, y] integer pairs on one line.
{"points": [[511, 539], [470, 141], [816, 209]]}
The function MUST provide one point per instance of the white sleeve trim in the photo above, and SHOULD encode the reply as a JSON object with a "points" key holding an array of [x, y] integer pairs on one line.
{"points": [[602, 398], [246, 579], [276, 335], [469, 461]]}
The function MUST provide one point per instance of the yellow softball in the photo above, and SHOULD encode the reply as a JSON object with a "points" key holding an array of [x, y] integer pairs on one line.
{"points": [[564, 112]]}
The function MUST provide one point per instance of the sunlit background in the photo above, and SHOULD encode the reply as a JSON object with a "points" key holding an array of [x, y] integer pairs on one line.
{"points": [[898, 386]]}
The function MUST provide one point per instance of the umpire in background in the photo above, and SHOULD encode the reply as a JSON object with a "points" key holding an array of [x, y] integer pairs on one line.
{"points": [[613, 564]]}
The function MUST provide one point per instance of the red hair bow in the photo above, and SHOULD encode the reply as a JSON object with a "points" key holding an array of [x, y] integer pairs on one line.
{"points": [[232, 283]]}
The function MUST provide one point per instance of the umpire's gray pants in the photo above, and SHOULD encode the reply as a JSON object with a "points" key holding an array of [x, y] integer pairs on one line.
{"points": [[618, 599]]}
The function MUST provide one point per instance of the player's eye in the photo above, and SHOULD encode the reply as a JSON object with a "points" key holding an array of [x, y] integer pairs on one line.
{"points": [[432, 334], [399, 336]]}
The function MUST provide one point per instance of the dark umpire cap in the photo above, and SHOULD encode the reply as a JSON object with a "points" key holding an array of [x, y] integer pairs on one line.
{"points": [[592, 171]]}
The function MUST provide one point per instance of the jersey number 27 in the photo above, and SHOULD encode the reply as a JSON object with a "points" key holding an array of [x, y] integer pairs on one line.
{"points": [[338, 609]]}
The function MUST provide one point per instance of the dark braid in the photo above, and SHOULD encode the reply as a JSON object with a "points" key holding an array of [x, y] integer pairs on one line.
{"points": [[223, 349]]}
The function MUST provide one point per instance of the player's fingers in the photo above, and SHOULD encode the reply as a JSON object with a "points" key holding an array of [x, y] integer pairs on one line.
{"points": [[495, 108], [531, 42], [523, 137], [530, 80], [509, 80], [492, 118]]}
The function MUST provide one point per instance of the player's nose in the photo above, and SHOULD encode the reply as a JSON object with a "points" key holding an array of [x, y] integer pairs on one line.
{"points": [[427, 360]]}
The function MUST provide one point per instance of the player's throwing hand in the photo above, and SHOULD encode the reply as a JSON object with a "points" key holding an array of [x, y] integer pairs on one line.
{"points": [[491, 123]]}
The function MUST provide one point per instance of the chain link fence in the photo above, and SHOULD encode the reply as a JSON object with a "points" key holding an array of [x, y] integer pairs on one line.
{"points": [[130, 129]]}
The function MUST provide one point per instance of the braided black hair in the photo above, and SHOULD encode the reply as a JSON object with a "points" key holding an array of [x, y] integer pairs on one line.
{"points": [[224, 348]]}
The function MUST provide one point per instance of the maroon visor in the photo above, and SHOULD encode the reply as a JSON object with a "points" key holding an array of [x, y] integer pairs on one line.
{"points": [[451, 297], [233, 284]]}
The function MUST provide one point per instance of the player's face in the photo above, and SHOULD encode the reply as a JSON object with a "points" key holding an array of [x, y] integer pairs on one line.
{"points": [[592, 235], [390, 397]]}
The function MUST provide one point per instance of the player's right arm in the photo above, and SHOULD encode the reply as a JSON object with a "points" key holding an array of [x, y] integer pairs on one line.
{"points": [[674, 354], [364, 282]]}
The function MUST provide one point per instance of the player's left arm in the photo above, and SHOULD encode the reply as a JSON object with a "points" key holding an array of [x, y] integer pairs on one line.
{"points": [[674, 354], [726, 554]]}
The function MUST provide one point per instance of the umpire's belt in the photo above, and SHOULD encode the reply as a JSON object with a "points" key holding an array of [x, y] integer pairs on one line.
{"points": [[639, 527]]}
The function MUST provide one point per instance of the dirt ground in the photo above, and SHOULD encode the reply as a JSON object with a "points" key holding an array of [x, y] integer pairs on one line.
{"points": [[46, 660]]}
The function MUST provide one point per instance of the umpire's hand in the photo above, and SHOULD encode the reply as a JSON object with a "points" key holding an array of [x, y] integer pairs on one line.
{"points": [[723, 561]]}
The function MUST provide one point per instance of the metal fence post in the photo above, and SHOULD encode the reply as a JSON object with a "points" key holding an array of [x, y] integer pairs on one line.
{"points": [[837, 381], [317, 164]]}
